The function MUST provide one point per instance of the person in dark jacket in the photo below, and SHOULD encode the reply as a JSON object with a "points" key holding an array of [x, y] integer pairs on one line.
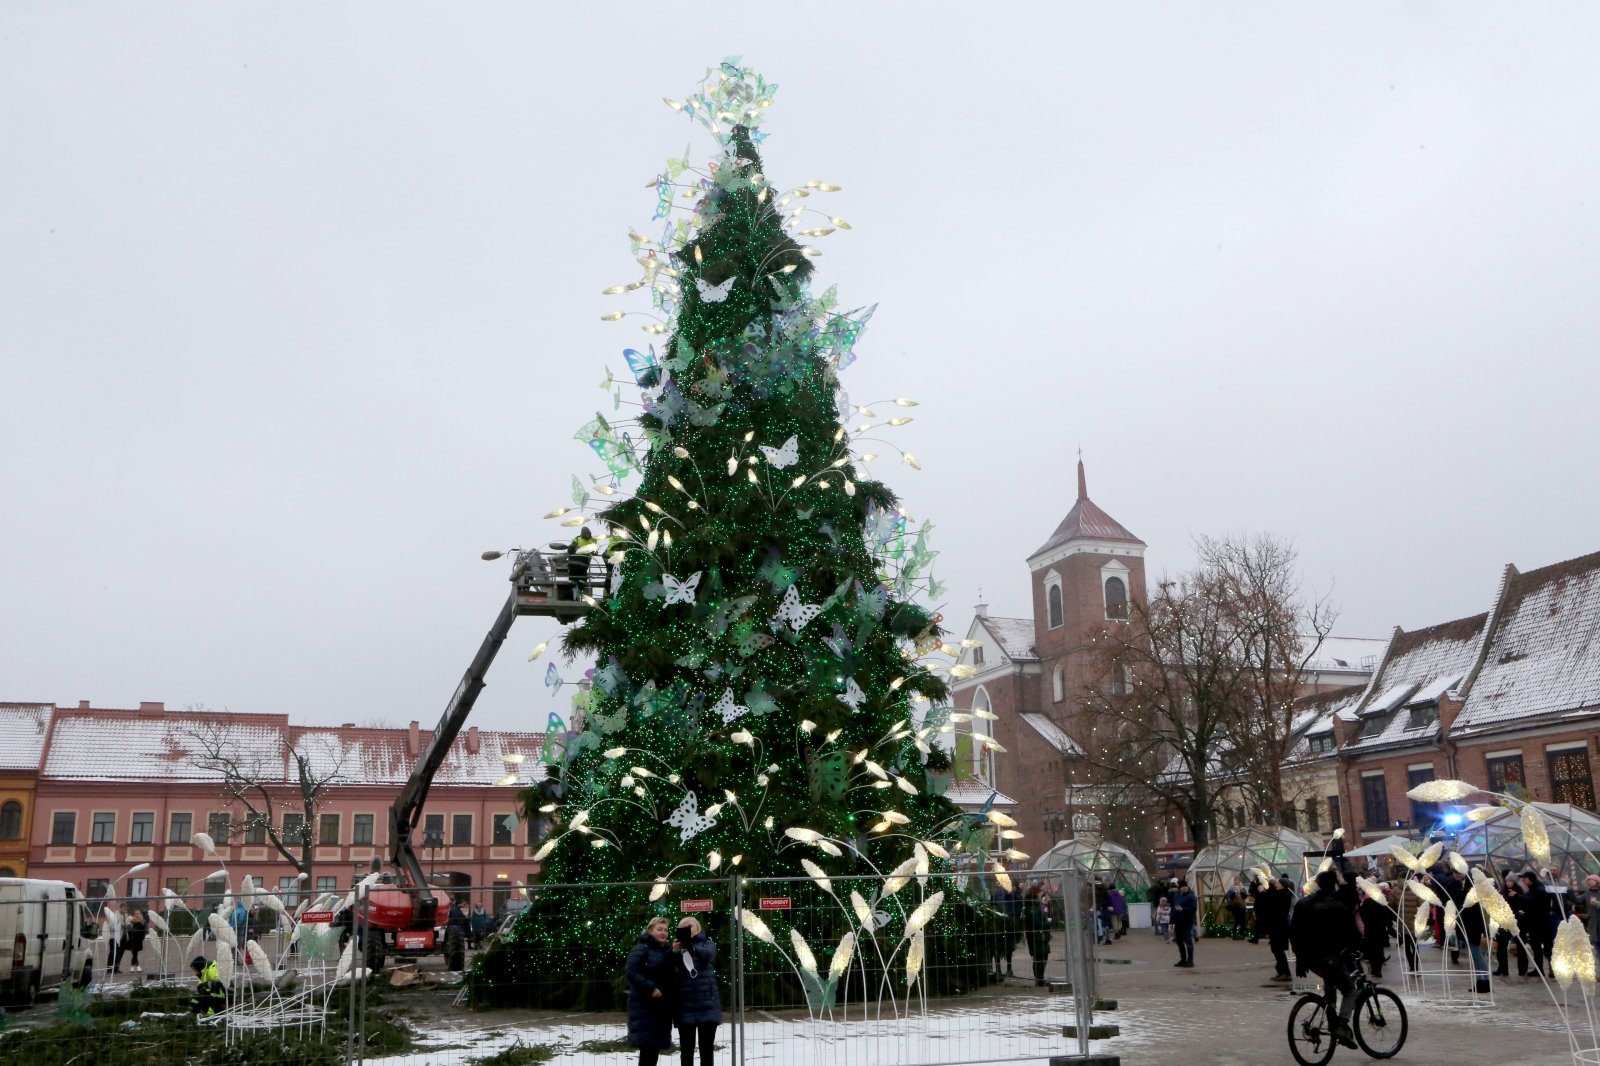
{"points": [[1185, 910], [1001, 929], [1038, 911], [480, 924], [1534, 920], [652, 976], [134, 935], [578, 555], [1272, 921], [699, 1003], [1512, 889], [1323, 929], [1377, 925]]}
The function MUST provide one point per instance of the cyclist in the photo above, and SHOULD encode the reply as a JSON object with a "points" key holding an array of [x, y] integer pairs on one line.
{"points": [[1322, 930]]}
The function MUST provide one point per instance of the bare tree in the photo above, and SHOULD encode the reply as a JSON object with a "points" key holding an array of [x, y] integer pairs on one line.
{"points": [[261, 785], [1192, 698]]}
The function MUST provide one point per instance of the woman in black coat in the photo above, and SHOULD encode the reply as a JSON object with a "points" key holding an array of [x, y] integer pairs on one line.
{"points": [[652, 975], [1036, 918], [699, 1003]]}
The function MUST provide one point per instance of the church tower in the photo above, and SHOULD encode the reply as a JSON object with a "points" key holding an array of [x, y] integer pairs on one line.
{"points": [[1083, 578]]}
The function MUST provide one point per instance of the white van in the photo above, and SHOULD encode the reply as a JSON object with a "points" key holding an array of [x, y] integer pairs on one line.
{"points": [[42, 926]]}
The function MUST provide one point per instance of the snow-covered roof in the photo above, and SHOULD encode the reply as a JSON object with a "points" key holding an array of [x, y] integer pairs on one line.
{"points": [[110, 745], [22, 731], [1052, 734], [1316, 715], [1543, 656], [1014, 635], [1341, 654], [970, 794], [1413, 662]]}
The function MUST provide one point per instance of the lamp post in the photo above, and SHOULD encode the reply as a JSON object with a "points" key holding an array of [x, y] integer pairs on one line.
{"points": [[433, 840], [1054, 823]]}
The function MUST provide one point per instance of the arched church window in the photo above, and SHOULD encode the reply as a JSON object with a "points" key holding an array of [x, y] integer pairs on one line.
{"points": [[1054, 596], [1116, 598], [982, 756], [1058, 685]]}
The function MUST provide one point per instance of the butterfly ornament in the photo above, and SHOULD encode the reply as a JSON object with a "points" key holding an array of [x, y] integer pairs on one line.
{"points": [[783, 457], [797, 614], [852, 696], [713, 294], [727, 708], [688, 820], [681, 591]]}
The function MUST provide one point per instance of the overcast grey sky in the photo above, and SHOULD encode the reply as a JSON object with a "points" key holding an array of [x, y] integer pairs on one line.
{"points": [[300, 304]]}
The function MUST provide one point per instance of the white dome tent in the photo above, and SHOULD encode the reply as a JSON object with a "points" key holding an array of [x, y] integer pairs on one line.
{"points": [[1097, 858], [1278, 848]]}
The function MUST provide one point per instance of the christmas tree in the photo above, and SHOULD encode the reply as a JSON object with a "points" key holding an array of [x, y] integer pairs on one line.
{"points": [[756, 704]]}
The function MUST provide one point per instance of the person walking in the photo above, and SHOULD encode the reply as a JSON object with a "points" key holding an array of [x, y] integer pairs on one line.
{"points": [[1377, 925], [1036, 929], [1512, 888], [1589, 900], [998, 929], [699, 1003], [1272, 921], [1534, 920], [1185, 911], [651, 973], [133, 938], [1163, 920], [1119, 912], [480, 924], [1237, 911]]}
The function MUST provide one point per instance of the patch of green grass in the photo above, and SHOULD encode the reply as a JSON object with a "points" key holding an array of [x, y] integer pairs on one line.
{"points": [[518, 1054]]}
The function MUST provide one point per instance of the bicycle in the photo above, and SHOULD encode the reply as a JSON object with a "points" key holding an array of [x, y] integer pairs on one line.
{"points": [[1379, 1020]]}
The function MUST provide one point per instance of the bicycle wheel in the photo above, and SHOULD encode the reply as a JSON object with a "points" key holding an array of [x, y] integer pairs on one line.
{"points": [[1380, 1023], [1310, 1041]]}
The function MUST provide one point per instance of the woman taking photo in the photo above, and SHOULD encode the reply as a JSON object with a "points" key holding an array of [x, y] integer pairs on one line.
{"points": [[699, 1003], [652, 974]]}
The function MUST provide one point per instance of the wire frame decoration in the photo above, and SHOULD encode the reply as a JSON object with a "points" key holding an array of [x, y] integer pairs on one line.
{"points": [[1498, 839], [1096, 858], [1276, 847]]}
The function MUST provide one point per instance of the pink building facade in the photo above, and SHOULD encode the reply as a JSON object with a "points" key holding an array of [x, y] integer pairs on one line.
{"points": [[117, 788]]}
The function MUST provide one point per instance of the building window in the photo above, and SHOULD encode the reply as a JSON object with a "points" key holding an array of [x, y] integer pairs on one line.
{"points": [[180, 826], [361, 829], [977, 656], [1116, 598], [1312, 815], [96, 887], [179, 886], [294, 828], [461, 830], [1053, 596], [1426, 715], [1322, 744], [1334, 819], [255, 830], [328, 829], [1570, 781], [1505, 773], [213, 890], [502, 830], [433, 830], [1423, 815], [1371, 727], [103, 830], [1122, 681], [288, 891], [143, 828], [1058, 685], [1375, 802], [64, 827], [327, 884], [10, 820], [217, 824]]}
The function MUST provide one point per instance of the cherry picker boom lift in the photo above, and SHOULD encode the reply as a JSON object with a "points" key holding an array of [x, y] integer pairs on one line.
{"points": [[406, 915]]}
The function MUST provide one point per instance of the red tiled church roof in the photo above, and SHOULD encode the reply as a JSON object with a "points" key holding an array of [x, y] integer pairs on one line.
{"points": [[1086, 521]]}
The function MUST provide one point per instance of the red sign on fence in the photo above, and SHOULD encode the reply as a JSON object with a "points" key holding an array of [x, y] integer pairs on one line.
{"points": [[774, 903], [317, 917], [694, 905]]}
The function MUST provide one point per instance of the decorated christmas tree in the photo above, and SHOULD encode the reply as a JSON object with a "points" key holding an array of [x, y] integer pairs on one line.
{"points": [[764, 680]]}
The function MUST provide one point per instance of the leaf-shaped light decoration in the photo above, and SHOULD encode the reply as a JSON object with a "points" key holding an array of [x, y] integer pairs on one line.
{"points": [[1424, 893], [802, 952], [842, 955], [221, 930], [1483, 814], [1534, 834], [196, 942], [1572, 954], [1493, 903], [258, 959], [1442, 791], [816, 874], [1001, 876], [1325, 865], [828, 847], [1001, 819], [914, 959], [346, 958], [920, 853], [1368, 888], [752, 923], [1458, 863], [863, 912], [898, 879], [206, 845], [924, 913], [1419, 924], [1405, 858], [546, 848], [1471, 898], [158, 923], [225, 966], [935, 850], [1450, 914], [805, 836], [1430, 855], [659, 889]]}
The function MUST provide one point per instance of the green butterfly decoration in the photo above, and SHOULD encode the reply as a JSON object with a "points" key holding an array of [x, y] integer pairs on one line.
{"points": [[828, 774], [749, 640], [759, 701], [774, 573], [678, 166], [727, 613]]}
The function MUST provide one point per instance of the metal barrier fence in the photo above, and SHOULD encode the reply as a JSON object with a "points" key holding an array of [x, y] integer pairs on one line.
{"points": [[806, 970]]}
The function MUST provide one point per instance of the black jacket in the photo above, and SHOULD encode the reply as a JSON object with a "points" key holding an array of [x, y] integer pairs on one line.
{"points": [[651, 966], [699, 1002], [1322, 929], [1272, 909]]}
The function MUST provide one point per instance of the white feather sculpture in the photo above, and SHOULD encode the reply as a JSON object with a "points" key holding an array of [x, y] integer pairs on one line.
{"points": [[221, 930], [156, 922], [346, 959], [247, 886], [272, 902], [204, 842], [914, 959], [258, 959], [225, 966], [196, 944]]}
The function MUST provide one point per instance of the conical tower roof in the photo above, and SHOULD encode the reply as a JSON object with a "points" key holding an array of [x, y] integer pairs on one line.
{"points": [[1086, 521]]}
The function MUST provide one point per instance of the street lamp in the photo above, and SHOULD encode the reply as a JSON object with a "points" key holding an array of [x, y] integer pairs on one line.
{"points": [[1054, 823], [433, 840]]}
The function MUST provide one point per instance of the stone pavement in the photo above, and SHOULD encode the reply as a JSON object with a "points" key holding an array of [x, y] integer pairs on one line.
{"points": [[1226, 1011]]}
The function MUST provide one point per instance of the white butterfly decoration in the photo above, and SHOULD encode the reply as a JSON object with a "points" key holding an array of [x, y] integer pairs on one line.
{"points": [[681, 591], [785, 456], [688, 819], [713, 294], [727, 708], [852, 695], [797, 614]]}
